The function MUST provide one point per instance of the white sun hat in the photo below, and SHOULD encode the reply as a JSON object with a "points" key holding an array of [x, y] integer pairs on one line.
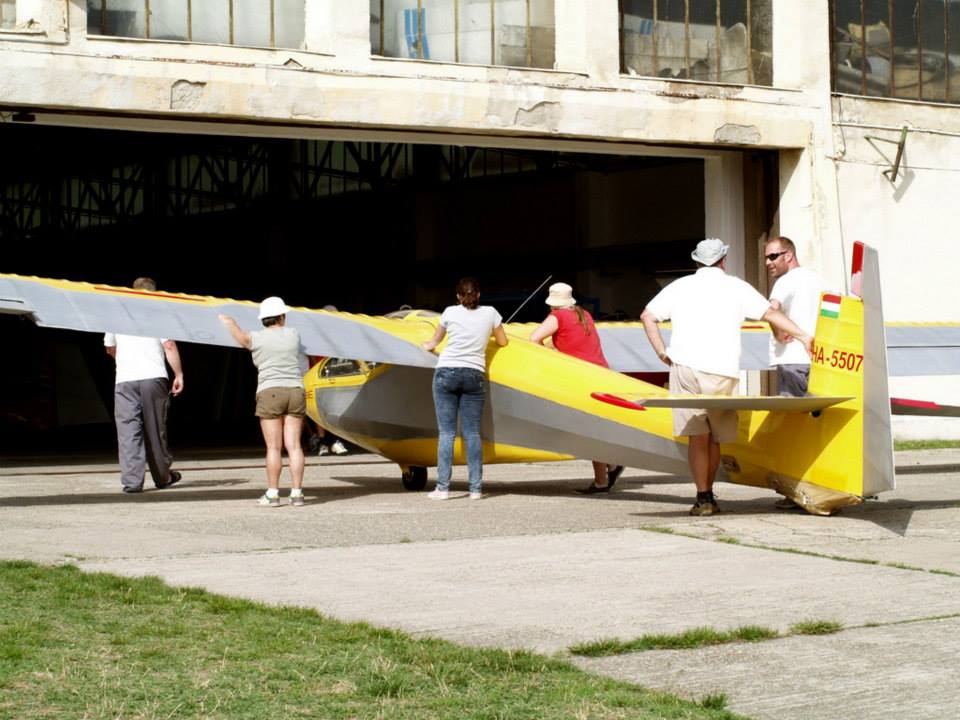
{"points": [[272, 307], [710, 251], [561, 296]]}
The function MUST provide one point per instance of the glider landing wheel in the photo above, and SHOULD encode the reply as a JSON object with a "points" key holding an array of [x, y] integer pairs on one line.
{"points": [[414, 478]]}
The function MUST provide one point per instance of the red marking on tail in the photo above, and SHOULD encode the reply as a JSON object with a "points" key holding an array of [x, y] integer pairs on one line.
{"points": [[615, 400], [856, 270]]}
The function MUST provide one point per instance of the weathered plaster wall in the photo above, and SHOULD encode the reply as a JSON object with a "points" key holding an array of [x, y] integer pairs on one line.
{"points": [[912, 221]]}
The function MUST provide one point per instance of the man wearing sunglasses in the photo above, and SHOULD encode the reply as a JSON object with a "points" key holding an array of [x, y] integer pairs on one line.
{"points": [[796, 292]]}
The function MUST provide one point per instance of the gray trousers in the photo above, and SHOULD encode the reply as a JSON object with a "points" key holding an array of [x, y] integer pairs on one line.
{"points": [[140, 409], [793, 379]]}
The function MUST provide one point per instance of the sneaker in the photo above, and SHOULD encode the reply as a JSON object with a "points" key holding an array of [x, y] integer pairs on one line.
{"points": [[785, 504], [324, 450], [174, 479], [296, 500], [338, 448], [267, 501], [476, 496], [439, 494], [132, 490], [613, 474], [703, 508]]}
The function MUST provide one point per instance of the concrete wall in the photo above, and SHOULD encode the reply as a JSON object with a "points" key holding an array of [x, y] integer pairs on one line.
{"points": [[831, 188]]}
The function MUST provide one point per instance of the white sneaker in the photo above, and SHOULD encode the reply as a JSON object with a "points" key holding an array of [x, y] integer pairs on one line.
{"points": [[324, 450], [338, 448], [267, 501], [476, 496], [439, 495]]}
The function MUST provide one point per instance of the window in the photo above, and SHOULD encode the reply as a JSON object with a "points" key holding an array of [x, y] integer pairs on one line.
{"points": [[8, 13], [340, 367], [262, 23], [517, 33], [897, 48], [718, 40]]}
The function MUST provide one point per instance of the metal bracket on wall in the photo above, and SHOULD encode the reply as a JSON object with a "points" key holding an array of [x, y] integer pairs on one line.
{"points": [[894, 169]]}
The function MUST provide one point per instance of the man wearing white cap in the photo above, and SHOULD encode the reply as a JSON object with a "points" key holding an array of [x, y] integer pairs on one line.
{"points": [[281, 401], [706, 310]]}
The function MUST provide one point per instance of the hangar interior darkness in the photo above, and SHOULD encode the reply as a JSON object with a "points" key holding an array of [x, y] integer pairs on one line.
{"points": [[364, 226]]}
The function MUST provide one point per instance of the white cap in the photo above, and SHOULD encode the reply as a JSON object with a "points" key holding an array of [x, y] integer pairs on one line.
{"points": [[272, 307], [710, 251], [561, 295]]}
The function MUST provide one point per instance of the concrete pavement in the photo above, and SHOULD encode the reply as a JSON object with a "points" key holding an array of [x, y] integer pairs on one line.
{"points": [[539, 567]]}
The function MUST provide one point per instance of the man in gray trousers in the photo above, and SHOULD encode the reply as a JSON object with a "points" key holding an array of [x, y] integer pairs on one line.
{"points": [[141, 399]]}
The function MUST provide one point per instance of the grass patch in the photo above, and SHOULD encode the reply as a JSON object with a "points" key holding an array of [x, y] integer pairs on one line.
{"points": [[715, 701], [687, 640], [658, 529], [925, 444], [815, 627], [76, 645]]}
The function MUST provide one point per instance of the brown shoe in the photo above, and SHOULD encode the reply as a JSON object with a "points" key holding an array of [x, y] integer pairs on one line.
{"points": [[702, 508]]}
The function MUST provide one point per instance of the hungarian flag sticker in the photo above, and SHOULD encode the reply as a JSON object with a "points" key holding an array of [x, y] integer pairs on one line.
{"points": [[830, 306]]}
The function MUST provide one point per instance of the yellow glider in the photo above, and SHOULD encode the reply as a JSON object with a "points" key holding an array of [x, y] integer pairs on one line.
{"points": [[824, 452]]}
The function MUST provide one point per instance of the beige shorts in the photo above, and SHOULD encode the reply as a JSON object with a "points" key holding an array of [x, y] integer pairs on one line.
{"points": [[721, 424], [276, 402]]}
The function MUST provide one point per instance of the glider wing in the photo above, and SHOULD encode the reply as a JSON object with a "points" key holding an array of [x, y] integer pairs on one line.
{"points": [[193, 318]]}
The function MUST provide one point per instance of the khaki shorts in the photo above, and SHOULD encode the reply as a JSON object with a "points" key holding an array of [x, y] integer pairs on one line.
{"points": [[276, 402], [721, 424]]}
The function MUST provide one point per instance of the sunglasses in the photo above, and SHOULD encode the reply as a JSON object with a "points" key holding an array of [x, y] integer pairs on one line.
{"points": [[773, 256]]}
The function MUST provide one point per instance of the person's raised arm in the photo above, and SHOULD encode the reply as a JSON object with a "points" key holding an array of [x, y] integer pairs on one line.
{"points": [[431, 344], [650, 326], [500, 335], [546, 329], [242, 338], [173, 359]]}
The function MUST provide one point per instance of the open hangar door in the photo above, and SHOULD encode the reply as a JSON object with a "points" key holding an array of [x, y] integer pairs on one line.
{"points": [[365, 226]]}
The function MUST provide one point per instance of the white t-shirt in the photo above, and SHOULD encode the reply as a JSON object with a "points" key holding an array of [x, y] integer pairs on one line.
{"points": [[138, 358], [468, 332], [799, 294], [707, 309], [279, 357]]}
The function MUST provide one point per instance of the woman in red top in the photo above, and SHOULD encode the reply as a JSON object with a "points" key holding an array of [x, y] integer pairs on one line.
{"points": [[574, 333]]}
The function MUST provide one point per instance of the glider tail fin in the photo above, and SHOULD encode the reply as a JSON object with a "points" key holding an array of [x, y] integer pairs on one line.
{"points": [[850, 359]]}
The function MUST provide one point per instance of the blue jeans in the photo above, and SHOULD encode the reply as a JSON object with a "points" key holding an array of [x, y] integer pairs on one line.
{"points": [[459, 391]]}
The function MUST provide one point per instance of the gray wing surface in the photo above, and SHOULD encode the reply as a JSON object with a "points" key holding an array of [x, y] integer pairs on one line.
{"points": [[627, 349], [923, 349], [911, 349], [193, 319]]}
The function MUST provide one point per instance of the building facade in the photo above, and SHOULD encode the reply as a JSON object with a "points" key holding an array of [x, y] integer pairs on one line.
{"points": [[828, 122]]}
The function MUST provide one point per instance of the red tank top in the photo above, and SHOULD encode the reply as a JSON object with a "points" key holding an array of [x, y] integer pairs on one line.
{"points": [[572, 338]]}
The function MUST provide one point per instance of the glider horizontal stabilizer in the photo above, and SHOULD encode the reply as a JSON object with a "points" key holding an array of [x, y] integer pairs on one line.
{"points": [[721, 402]]}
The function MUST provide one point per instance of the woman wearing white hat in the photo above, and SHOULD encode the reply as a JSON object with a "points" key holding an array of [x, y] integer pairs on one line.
{"points": [[574, 333], [281, 402]]}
